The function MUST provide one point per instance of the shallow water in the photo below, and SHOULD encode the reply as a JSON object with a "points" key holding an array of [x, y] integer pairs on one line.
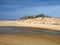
{"points": [[15, 30]]}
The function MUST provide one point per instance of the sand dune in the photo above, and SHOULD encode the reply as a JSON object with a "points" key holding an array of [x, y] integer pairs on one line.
{"points": [[47, 23]]}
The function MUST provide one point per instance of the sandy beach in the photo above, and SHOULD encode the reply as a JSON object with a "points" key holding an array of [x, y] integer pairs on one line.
{"points": [[29, 40], [47, 23]]}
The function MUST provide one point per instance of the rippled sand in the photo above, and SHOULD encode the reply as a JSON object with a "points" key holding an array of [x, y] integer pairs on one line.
{"points": [[29, 40]]}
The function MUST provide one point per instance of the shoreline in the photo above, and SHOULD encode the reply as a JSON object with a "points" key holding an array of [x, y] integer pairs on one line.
{"points": [[27, 31], [28, 28]]}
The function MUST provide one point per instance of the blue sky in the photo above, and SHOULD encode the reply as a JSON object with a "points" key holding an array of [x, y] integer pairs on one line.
{"points": [[15, 9]]}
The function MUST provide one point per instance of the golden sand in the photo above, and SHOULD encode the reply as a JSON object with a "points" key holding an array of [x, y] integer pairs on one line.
{"points": [[29, 40]]}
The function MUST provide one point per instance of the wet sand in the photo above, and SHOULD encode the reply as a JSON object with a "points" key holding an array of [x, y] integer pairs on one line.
{"points": [[18, 30], [26, 36]]}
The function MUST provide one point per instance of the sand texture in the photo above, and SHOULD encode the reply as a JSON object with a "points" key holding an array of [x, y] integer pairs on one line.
{"points": [[29, 40]]}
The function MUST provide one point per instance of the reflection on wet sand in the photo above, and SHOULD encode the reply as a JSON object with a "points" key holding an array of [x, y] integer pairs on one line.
{"points": [[26, 36]]}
